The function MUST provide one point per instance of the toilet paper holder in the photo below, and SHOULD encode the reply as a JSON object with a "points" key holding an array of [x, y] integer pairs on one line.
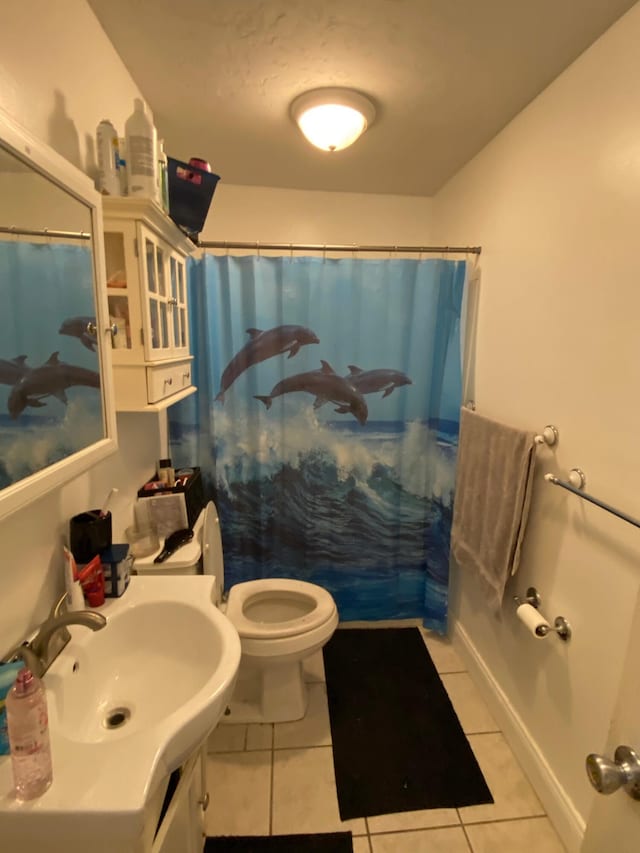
{"points": [[560, 625]]}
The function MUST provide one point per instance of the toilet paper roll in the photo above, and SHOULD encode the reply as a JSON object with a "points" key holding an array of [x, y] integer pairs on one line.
{"points": [[533, 619]]}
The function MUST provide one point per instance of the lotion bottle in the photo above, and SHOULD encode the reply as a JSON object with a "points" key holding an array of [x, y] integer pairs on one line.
{"points": [[28, 725], [141, 144]]}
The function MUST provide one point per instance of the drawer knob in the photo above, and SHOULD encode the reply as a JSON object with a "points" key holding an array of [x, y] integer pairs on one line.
{"points": [[168, 381]]}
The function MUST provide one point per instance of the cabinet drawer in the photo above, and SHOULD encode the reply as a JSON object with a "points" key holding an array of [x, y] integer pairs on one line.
{"points": [[167, 379]]}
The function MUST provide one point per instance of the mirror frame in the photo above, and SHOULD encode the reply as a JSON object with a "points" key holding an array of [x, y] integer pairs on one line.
{"points": [[53, 166]]}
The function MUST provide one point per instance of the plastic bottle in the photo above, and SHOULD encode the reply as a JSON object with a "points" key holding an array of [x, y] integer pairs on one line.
{"points": [[162, 196], [166, 473], [108, 158], [122, 154], [75, 596], [28, 725], [141, 142]]}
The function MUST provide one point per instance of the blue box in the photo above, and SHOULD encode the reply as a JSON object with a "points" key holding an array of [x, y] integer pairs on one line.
{"points": [[116, 565], [190, 193]]}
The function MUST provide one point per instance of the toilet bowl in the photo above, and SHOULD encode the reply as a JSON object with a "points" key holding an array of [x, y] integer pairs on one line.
{"points": [[280, 622]]}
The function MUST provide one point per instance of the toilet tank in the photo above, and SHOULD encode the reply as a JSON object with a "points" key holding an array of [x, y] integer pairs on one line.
{"points": [[203, 555]]}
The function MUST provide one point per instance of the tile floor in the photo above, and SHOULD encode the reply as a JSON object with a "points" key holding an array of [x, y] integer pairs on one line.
{"points": [[278, 780]]}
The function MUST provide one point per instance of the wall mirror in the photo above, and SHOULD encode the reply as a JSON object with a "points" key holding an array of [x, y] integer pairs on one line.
{"points": [[56, 410]]}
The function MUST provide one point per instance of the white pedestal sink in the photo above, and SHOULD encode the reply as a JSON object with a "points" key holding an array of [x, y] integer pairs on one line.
{"points": [[127, 706]]}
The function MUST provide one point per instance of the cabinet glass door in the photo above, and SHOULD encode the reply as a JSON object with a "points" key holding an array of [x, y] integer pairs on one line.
{"points": [[178, 303], [157, 342], [117, 289]]}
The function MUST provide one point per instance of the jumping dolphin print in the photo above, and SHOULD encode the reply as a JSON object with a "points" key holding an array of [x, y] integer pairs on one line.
{"points": [[370, 381], [264, 345], [77, 327], [50, 379], [326, 384], [13, 370]]}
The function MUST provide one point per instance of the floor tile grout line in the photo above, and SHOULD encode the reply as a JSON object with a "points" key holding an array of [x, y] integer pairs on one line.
{"points": [[417, 829], [506, 819], [465, 833], [484, 732]]}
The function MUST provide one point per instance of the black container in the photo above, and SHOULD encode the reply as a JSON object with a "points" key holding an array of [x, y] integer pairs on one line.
{"points": [[89, 533], [193, 492], [190, 193]]}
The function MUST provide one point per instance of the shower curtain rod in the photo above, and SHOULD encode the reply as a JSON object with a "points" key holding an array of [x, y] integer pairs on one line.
{"points": [[45, 232], [329, 247]]}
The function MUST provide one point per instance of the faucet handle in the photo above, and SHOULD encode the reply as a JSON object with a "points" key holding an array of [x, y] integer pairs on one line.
{"points": [[60, 605], [25, 653]]}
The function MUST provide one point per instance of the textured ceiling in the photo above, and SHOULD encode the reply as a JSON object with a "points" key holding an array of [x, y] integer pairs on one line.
{"points": [[445, 75]]}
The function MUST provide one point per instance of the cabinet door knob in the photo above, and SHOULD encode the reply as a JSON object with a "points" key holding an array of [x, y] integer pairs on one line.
{"points": [[173, 301], [112, 329], [91, 328]]}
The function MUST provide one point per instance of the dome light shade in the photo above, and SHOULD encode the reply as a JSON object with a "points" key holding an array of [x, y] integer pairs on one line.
{"points": [[332, 118]]}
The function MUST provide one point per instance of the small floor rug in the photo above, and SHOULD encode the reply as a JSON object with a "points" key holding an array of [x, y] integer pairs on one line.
{"points": [[397, 742], [331, 842]]}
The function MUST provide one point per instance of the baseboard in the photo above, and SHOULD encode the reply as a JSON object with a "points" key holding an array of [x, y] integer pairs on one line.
{"points": [[567, 822]]}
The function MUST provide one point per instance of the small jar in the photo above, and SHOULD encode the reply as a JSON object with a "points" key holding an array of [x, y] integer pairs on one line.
{"points": [[166, 474]]}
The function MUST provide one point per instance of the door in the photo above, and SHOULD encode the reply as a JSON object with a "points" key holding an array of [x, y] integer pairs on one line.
{"points": [[156, 295], [614, 822], [178, 305]]}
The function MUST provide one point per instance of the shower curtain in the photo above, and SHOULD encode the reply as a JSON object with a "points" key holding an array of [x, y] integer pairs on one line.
{"points": [[326, 423]]}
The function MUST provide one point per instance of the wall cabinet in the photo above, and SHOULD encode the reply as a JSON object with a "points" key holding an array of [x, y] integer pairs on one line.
{"points": [[146, 255]]}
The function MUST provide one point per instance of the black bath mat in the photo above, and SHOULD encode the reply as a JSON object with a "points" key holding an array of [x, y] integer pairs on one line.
{"points": [[331, 842], [397, 743]]}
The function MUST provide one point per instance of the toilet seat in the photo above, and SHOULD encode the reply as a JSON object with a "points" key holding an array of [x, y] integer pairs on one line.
{"points": [[314, 603]]}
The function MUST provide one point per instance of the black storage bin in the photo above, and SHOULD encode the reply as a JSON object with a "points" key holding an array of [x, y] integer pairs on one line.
{"points": [[193, 492], [190, 193]]}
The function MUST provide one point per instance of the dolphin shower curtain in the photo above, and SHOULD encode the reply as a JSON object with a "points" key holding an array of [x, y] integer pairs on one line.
{"points": [[326, 423]]}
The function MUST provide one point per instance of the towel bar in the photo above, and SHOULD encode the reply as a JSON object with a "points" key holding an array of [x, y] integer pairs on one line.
{"points": [[578, 477], [549, 436]]}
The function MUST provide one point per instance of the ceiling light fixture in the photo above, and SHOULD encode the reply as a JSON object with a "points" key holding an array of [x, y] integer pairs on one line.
{"points": [[332, 118]]}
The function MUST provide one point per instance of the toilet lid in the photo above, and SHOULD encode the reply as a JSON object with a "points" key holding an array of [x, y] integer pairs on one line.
{"points": [[253, 603], [184, 558]]}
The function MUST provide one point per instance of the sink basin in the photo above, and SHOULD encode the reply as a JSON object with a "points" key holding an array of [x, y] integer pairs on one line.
{"points": [[127, 705]]}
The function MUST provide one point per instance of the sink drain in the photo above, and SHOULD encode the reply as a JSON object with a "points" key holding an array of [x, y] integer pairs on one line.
{"points": [[116, 718]]}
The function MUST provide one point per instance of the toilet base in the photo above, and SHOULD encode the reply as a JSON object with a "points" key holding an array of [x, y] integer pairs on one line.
{"points": [[271, 694]]}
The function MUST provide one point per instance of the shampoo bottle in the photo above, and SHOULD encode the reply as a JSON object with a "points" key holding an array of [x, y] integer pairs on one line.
{"points": [[28, 725], [108, 158], [141, 144]]}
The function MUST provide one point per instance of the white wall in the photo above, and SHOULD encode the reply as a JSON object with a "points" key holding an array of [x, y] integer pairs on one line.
{"points": [[554, 200], [294, 216], [59, 76]]}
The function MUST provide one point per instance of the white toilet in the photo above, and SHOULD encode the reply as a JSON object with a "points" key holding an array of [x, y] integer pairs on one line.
{"points": [[280, 622]]}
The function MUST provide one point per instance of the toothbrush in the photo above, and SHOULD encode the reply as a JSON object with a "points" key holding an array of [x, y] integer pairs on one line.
{"points": [[107, 501]]}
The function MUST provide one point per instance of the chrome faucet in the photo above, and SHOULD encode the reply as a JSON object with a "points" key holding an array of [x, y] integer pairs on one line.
{"points": [[39, 653]]}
